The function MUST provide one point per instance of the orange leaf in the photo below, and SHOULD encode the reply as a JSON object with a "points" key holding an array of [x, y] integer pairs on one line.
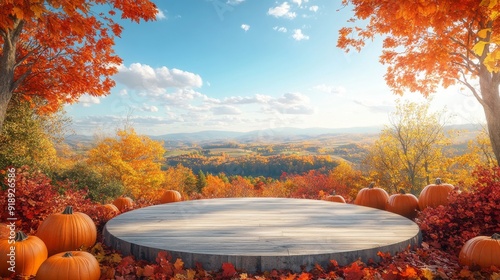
{"points": [[179, 264]]}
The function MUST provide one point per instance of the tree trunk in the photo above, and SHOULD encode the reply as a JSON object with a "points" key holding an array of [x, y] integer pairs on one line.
{"points": [[491, 104], [7, 66]]}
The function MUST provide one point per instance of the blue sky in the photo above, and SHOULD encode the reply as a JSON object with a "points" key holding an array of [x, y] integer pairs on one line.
{"points": [[245, 65]]}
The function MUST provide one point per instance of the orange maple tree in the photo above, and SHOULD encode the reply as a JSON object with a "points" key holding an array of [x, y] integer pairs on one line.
{"points": [[54, 51], [430, 43]]}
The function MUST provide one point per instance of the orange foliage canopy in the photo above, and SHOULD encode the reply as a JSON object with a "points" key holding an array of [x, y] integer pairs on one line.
{"points": [[59, 50], [428, 43]]}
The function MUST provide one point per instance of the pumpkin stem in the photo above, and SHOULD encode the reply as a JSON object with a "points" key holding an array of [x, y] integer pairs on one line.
{"points": [[68, 210], [372, 184], [401, 191], [495, 236], [67, 255], [20, 236], [438, 181]]}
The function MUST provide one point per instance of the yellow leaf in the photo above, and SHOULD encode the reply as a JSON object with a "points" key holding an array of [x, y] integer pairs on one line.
{"points": [[190, 274], [483, 33], [492, 4], [479, 47], [427, 273]]}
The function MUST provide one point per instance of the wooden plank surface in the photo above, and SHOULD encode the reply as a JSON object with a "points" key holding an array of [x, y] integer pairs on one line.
{"points": [[260, 233]]}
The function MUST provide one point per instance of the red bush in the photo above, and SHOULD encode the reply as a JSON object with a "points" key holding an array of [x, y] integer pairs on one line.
{"points": [[468, 214]]}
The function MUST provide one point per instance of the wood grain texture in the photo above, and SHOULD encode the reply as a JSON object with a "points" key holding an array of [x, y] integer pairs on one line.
{"points": [[259, 234]]}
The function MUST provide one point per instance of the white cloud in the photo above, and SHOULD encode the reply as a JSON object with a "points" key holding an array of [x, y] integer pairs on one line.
{"points": [[245, 27], [378, 107], [147, 108], [330, 89], [314, 8], [160, 15], [298, 2], [226, 110], [155, 81], [88, 100], [280, 29], [292, 103], [299, 36], [282, 10], [234, 2]]}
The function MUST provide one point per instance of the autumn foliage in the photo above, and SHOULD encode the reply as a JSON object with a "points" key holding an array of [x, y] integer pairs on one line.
{"points": [[71, 40]]}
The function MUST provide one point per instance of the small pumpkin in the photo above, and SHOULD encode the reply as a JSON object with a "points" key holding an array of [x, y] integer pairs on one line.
{"points": [[72, 265], [434, 195], [4, 231], [123, 203], [335, 198], [372, 197], [67, 231], [170, 196], [404, 204], [483, 251], [111, 208], [29, 253]]}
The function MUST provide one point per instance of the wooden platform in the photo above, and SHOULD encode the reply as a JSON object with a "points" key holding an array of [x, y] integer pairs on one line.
{"points": [[260, 234]]}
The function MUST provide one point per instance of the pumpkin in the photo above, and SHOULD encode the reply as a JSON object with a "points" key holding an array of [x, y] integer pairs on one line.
{"points": [[30, 252], [170, 196], [404, 204], [434, 195], [335, 198], [483, 251], [111, 208], [73, 265], [123, 203], [4, 231], [67, 231], [372, 197]]}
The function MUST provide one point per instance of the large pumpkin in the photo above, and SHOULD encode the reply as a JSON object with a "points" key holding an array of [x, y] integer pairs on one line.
{"points": [[123, 203], [372, 197], [483, 251], [170, 196], [30, 252], [434, 195], [335, 198], [67, 231], [404, 204], [73, 265]]}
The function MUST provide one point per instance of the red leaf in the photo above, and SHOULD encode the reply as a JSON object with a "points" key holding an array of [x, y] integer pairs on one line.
{"points": [[228, 270]]}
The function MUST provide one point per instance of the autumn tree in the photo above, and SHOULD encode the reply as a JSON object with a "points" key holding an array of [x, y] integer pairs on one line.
{"points": [[181, 179], [428, 44], [30, 139], [55, 51], [409, 151], [134, 160]]}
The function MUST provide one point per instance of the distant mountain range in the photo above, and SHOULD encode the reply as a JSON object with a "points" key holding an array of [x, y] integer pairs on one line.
{"points": [[286, 134]]}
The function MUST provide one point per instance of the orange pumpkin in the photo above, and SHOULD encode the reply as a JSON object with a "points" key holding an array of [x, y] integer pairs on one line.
{"points": [[73, 265], [4, 231], [111, 208], [372, 197], [170, 196], [483, 251], [123, 203], [67, 231], [335, 198], [434, 195], [404, 204], [29, 253]]}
